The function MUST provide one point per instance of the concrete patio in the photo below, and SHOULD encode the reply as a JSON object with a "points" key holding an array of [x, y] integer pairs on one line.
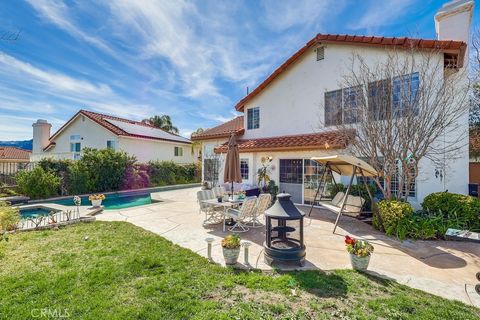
{"points": [[443, 268]]}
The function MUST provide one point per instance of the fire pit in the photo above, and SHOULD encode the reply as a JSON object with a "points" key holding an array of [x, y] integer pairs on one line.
{"points": [[284, 232]]}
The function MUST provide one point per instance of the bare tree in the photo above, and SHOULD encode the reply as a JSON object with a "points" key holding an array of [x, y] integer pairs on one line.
{"points": [[9, 35], [403, 108]]}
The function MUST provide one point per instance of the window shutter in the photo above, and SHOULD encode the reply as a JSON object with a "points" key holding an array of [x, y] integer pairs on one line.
{"points": [[320, 53]]}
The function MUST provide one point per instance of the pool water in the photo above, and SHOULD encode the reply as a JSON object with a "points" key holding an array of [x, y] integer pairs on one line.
{"points": [[34, 212], [113, 201]]}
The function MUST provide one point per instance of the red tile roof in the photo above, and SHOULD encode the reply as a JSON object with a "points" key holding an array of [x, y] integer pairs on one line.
{"points": [[224, 130], [14, 153], [312, 141], [101, 119], [426, 44]]}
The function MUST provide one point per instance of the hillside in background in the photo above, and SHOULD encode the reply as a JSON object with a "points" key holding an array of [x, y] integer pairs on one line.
{"points": [[25, 144]]}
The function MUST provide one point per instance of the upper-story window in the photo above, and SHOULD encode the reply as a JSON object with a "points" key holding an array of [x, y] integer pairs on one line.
{"points": [[178, 152], [111, 144], [333, 108], [405, 90], [253, 118], [384, 97]]}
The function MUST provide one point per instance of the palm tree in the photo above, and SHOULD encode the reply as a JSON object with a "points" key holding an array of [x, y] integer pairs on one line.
{"points": [[162, 122], [197, 144]]}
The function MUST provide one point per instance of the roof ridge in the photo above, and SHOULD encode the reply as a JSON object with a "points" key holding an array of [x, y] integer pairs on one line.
{"points": [[382, 41]]}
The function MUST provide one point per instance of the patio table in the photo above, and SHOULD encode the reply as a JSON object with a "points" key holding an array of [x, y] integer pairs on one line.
{"points": [[224, 204]]}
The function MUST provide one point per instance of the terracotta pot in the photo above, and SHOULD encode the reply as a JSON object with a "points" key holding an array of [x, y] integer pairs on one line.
{"points": [[96, 203], [231, 255], [359, 263]]}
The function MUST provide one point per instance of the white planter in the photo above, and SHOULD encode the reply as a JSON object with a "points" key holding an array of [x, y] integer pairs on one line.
{"points": [[231, 255], [359, 263], [96, 203]]}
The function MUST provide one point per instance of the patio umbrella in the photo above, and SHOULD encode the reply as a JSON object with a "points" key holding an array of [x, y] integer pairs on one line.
{"points": [[232, 163]]}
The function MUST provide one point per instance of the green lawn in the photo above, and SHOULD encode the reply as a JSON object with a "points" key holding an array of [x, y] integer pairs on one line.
{"points": [[124, 272]]}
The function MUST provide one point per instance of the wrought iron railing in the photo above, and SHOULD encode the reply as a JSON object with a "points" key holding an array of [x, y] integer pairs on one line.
{"points": [[50, 220]]}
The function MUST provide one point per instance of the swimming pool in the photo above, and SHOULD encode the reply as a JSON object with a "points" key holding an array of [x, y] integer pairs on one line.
{"points": [[113, 201], [35, 212]]}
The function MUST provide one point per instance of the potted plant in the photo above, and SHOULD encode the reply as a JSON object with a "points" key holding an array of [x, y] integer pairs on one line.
{"points": [[96, 199], [231, 248], [360, 252]]}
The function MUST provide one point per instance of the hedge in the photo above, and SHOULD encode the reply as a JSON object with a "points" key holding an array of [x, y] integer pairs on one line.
{"points": [[101, 171]]}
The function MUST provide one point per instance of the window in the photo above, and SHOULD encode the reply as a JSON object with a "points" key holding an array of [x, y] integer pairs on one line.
{"points": [[178, 152], [320, 53], [333, 108], [351, 103], [244, 168], [253, 118], [291, 171], [404, 95], [379, 93], [75, 147], [394, 185], [210, 170], [111, 144], [208, 150], [75, 137]]}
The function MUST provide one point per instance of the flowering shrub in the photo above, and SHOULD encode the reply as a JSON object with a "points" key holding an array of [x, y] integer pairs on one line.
{"points": [[231, 241], [391, 212], [357, 247], [99, 196]]}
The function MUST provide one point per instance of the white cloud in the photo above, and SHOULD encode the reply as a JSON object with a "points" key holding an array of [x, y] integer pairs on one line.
{"points": [[52, 79], [57, 13]]}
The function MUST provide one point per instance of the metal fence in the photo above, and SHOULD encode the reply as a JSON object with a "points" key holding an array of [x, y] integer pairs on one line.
{"points": [[50, 220], [8, 171]]}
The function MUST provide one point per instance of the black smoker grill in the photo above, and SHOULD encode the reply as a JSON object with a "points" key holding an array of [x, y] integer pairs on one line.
{"points": [[284, 232]]}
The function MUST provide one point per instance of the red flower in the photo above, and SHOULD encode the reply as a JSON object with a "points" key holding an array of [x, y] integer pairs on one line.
{"points": [[349, 240]]}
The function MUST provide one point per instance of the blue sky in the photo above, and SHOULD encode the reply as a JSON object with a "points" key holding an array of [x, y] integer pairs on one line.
{"points": [[190, 60]]}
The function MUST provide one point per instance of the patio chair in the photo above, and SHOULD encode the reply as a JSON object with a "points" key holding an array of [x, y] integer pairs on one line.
{"points": [[263, 202], [211, 212], [240, 215], [218, 191]]}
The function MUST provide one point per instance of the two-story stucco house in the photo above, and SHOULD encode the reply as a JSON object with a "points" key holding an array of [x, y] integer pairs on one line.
{"points": [[88, 129], [281, 115]]}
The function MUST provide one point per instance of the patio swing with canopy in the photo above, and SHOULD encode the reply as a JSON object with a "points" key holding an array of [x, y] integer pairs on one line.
{"points": [[344, 165]]}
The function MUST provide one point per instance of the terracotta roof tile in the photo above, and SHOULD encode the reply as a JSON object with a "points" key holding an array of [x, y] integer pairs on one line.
{"points": [[426, 44], [224, 130], [101, 119], [14, 153], [323, 140]]}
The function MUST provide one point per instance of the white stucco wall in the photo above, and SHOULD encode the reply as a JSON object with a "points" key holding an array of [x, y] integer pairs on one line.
{"points": [[92, 136], [154, 150], [293, 104], [95, 136]]}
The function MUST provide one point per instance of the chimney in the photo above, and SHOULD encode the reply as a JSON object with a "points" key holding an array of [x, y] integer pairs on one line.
{"points": [[453, 19], [41, 135]]}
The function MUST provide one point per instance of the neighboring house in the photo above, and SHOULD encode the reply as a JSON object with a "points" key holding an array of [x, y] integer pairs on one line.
{"points": [[282, 116], [88, 129], [12, 160]]}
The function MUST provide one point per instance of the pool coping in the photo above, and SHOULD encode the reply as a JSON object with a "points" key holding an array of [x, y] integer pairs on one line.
{"points": [[85, 211], [127, 192]]}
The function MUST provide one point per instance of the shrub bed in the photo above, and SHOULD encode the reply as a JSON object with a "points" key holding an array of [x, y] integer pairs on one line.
{"points": [[441, 211], [101, 171], [459, 210], [390, 213]]}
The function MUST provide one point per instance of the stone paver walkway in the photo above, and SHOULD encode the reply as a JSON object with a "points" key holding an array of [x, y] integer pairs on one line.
{"points": [[444, 268]]}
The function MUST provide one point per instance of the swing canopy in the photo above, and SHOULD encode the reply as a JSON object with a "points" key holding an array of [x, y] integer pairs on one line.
{"points": [[346, 165]]}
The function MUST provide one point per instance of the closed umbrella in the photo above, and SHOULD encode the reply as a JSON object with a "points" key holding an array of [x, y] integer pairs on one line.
{"points": [[232, 163]]}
